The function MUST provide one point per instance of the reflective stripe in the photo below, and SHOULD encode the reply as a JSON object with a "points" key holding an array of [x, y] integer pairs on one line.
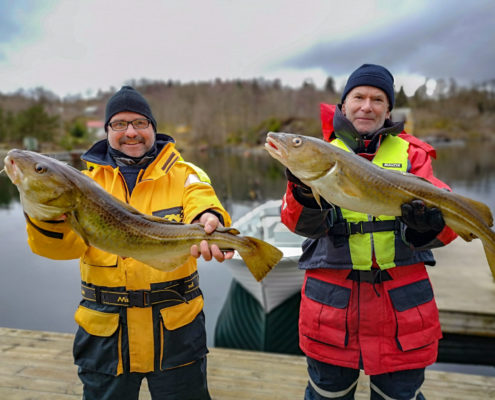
{"points": [[203, 177], [332, 395], [191, 179], [377, 390]]}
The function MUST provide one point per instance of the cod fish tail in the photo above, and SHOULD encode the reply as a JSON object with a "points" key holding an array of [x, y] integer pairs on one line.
{"points": [[260, 257]]}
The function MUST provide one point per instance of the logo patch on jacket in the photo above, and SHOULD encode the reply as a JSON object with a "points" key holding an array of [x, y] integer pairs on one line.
{"points": [[172, 214], [392, 165]]}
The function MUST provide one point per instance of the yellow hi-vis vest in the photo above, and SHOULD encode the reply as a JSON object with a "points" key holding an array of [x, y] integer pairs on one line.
{"points": [[392, 154]]}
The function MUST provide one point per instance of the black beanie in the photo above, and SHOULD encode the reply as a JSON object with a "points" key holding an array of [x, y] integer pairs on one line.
{"points": [[372, 75], [128, 99]]}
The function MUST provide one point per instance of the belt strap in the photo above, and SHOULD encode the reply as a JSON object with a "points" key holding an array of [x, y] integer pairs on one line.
{"points": [[345, 228], [372, 276], [173, 293]]}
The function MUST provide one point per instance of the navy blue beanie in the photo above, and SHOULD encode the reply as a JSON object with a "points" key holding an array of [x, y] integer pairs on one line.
{"points": [[372, 75], [128, 99]]}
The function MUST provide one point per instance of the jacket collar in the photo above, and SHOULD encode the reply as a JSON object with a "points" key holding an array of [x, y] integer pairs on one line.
{"points": [[345, 131], [99, 154]]}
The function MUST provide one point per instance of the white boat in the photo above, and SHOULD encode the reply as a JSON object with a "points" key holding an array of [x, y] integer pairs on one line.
{"points": [[286, 278]]}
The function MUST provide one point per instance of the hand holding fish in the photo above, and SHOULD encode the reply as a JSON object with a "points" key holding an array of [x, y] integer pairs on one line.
{"points": [[211, 223], [421, 218]]}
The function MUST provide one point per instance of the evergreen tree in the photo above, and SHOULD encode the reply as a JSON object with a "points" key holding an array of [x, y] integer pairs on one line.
{"points": [[330, 85], [401, 98], [36, 122]]}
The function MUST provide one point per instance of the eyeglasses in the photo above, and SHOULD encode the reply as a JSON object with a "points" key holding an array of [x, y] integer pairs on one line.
{"points": [[141, 123]]}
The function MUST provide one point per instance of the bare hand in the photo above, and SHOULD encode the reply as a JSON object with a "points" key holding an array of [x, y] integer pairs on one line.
{"points": [[210, 222]]}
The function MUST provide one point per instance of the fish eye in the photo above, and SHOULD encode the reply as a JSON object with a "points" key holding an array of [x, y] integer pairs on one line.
{"points": [[297, 142], [40, 168]]}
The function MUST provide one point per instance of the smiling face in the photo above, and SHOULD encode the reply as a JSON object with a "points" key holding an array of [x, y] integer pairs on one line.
{"points": [[131, 141], [367, 108]]}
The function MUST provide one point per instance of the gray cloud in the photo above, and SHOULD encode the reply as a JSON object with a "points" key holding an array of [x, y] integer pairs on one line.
{"points": [[448, 39], [16, 19]]}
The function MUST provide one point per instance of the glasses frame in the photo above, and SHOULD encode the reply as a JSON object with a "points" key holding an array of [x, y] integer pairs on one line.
{"points": [[129, 123]]}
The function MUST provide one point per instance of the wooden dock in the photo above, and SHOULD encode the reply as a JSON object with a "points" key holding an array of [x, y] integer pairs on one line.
{"points": [[464, 289], [38, 365]]}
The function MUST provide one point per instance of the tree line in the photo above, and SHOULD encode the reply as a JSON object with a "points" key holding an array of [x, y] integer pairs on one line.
{"points": [[235, 112]]}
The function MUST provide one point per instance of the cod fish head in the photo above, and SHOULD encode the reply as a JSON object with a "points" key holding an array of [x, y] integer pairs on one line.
{"points": [[44, 189], [306, 157]]}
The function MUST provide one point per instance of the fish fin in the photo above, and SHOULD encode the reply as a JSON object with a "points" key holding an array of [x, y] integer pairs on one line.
{"points": [[317, 197], [76, 226], [481, 208], [168, 263], [408, 175], [466, 235], [490, 254], [138, 213], [260, 257], [230, 230]]}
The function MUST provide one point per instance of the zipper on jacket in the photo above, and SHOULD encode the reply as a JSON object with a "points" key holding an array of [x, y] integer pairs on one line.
{"points": [[127, 194]]}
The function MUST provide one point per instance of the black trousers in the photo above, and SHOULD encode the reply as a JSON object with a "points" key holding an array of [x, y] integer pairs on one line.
{"points": [[183, 383], [328, 381]]}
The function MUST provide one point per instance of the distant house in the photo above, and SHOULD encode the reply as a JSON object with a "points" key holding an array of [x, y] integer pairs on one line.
{"points": [[96, 128], [90, 110]]}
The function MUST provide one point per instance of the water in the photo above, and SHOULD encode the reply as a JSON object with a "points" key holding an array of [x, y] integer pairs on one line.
{"points": [[42, 294]]}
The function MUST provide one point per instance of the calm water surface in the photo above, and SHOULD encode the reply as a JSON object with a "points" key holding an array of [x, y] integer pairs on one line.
{"points": [[42, 294]]}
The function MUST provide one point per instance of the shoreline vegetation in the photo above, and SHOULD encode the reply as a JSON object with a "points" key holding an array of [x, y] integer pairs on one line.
{"points": [[236, 114]]}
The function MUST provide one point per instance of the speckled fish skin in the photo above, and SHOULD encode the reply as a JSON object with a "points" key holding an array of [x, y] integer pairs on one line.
{"points": [[352, 182], [49, 188]]}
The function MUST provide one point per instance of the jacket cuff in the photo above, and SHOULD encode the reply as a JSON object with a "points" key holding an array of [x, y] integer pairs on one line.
{"points": [[425, 240], [219, 216]]}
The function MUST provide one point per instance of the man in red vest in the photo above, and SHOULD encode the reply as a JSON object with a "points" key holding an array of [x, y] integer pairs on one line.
{"points": [[367, 301]]}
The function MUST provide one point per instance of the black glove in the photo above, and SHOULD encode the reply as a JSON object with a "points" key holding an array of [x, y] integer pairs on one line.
{"points": [[294, 179], [303, 188], [421, 218], [302, 192]]}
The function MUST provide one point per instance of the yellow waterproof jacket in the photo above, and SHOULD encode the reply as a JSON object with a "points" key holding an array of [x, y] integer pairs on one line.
{"points": [[116, 339]]}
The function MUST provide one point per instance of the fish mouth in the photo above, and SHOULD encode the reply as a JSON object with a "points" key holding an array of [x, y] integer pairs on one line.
{"points": [[275, 147], [12, 171]]}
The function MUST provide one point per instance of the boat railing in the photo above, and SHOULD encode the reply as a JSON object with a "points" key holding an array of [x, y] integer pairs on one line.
{"points": [[264, 223]]}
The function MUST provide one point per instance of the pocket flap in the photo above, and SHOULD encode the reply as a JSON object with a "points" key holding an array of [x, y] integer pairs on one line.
{"points": [[95, 322], [182, 314], [327, 293], [412, 295]]}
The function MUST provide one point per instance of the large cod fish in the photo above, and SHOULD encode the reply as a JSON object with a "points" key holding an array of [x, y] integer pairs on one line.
{"points": [[49, 188], [349, 181]]}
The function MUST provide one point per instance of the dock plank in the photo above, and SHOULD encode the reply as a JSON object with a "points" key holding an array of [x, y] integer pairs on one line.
{"points": [[48, 373]]}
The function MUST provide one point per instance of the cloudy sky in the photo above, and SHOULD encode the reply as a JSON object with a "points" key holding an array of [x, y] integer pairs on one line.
{"points": [[80, 46]]}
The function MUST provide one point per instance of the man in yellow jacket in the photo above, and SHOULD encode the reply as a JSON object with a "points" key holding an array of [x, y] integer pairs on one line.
{"points": [[122, 338]]}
